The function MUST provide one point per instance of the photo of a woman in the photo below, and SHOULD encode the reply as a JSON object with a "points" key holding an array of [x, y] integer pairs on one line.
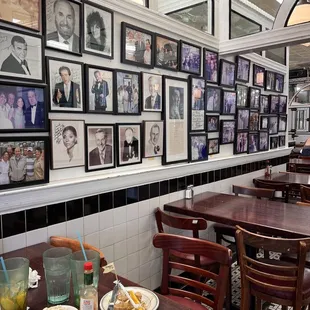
{"points": [[69, 138], [38, 164], [96, 32], [18, 117], [4, 168]]}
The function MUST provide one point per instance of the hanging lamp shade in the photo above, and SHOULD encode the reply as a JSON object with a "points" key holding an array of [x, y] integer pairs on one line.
{"points": [[300, 14]]}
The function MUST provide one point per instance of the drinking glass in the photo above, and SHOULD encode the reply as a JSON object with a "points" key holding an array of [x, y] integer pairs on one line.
{"points": [[56, 262], [13, 294]]}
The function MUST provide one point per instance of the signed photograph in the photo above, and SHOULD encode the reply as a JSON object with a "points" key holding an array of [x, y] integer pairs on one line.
{"points": [[282, 141], [198, 148], [211, 66], [264, 104], [274, 142], [167, 53], [153, 138], [254, 121], [243, 69], [263, 141], [152, 92], [229, 103], [274, 104], [253, 142], [214, 146], [213, 99], [243, 119], [254, 98], [227, 73], [190, 58], [279, 82], [227, 132], [273, 124], [197, 108], [242, 95], [282, 104], [282, 123], [269, 80], [264, 122], [241, 143], [213, 123], [258, 76]]}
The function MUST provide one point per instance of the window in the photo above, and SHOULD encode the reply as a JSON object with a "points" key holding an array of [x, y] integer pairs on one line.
{"points": [[301, 119], [277, 54], [142, 2], [271, 7], [300, 13]]}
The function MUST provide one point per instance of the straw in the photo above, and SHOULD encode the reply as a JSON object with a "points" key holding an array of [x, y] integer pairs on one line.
{"points": [[4, 270], [82, 246]]}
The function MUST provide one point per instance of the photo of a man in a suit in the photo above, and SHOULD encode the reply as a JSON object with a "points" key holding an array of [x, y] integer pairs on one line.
{"points": [[139, 48], [131, 146], [34, 114], [153, 102], [101, 90]]}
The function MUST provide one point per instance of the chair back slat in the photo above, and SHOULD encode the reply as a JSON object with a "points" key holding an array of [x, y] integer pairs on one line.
{"points": [[252, 191], [271, 286], [277, 186], [292, 268], [305, 193]]}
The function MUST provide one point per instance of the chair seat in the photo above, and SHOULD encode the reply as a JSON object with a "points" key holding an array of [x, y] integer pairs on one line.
{"points": [[189, 259], [226, 230], [293, 258], [186, 302]]}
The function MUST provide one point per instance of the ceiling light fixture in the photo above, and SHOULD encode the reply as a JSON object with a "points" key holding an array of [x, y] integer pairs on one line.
{"points": [[301, 13]]}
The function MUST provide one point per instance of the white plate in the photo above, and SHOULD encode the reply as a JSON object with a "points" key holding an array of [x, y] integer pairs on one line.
{"points": [[148, 297], [64, 307]]}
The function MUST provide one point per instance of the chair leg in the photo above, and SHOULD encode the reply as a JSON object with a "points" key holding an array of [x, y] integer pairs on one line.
{"points": [[266, 254], [245, 300], [258, 304], [284, 307], [228, 292], [218, 238]]}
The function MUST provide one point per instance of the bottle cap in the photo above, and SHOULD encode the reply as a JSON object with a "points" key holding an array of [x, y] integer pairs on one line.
{"points": [[88, 266]]}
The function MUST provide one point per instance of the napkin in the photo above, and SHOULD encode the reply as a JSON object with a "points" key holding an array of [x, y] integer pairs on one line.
{"points": [[33, 278]]}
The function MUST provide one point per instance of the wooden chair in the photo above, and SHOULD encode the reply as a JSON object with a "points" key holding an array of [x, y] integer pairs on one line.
{"points": [[74, 245], [305, 193], [304, 204], [277, 186], [195, 247], [304, 157], [273, 281]]}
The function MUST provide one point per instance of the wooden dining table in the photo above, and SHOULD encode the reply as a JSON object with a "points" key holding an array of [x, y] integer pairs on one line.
{"points": [[291, 178], [299, 165], [37, 297]]}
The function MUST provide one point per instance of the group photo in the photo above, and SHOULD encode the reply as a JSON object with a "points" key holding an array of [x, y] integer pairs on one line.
{"points": [[241, 143], [199, 150], [166, 53], [190, 58]]}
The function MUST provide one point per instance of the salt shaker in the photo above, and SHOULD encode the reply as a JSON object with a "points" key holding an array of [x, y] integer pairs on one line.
{"points": [[189, 192]]}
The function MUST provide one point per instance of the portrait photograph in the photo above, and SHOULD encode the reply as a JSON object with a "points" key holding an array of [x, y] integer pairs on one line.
{"points": [[213, 146], [258, 76], [190, 58], [167, 53], [243, 119], [241, 144], [227, 73], [282, 123], [264, 104], [152, 92], [282, 141], [153, 143], [99, 147], [211, 66], [197, 104], [213, 123], [279, 82], [136, 46], [198, 147], [227, 132], [214, 99], [229, 102], [254, 98], [274, 104], [68, 143], [243, 69], [63, 25], [274, 142], [98, 30], [128, 144], [242, 95], [65, 80], [253, 143], [254, 121], [269, 80], [263, 141], [273, 125], [23, 107], [21, 55], [127, 93], [264, 122], [99, 89], [23, 161], [282, 104]]}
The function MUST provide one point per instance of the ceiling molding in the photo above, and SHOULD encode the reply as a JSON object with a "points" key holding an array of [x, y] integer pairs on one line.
{"points": [[267, 63]]}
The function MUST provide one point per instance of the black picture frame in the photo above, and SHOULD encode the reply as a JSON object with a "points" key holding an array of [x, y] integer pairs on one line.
{"points": [[273, 124], [282, 141], [227, 107], [243, 125], [213, 99], [282, 104], [264, 123], [202, 151], [182, 66], [282, 117], [274, 142], [155, 85], [279, 83], [140, 61], [254, 121], [211, 75], [227, 132], [243, 77], [148, 146], [258, 74], [241, 144], [215, 128], [217, 143], [242, 96], [264, 104], [274, 104], [254, 98], [225, 82], [253, 142], [269, 80], [263, 136]]}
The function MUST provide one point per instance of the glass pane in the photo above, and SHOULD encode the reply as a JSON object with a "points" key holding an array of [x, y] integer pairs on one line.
{"points": [[300, 14], [300, 119], [277, 54], [142, 2], [270, 6]]}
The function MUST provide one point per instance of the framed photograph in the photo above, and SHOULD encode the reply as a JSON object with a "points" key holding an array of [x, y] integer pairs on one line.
{"points": [[253, 142], [279, 82], [264, 104], [263, 141], [65, 79], [254, 98], [100, 146], [190, 58], [282, 123], [274, 142], [229, 102], [273, 124], [269, 80], [214, 99], [254, 121], [264, 122], [258, 76], [227, 133], [197, 104], [242, 95], [243, 69], [282, 104], [68, 143], [153, 143], [23, 107], [127, 93], [214, 146], [211, 66], [167, 53], [213, 123], [98, 30], [243, 119], [198, 147], [274, 104], [99, 90], [63, 25], [282, 141], [129, 144], [136, 46], [227, 73], [175, 115], [21, 55], [241, 144], [152, 92]]}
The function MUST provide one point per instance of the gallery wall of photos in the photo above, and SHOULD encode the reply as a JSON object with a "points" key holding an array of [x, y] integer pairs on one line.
{"points": [[82, 90]]}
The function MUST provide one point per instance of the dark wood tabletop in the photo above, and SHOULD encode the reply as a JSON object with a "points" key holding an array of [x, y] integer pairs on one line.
{"points": [[271, 217], [300, 161], [37, 298], [289, 178]]}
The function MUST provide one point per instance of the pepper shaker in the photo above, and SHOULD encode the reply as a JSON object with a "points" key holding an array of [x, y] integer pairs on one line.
{"points": [[189, 192]]}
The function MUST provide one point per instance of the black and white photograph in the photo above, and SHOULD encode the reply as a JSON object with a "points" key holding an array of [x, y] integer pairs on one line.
{"points": [[229, 102], [242, 95], [65, 79], [153, 143], [137, 44], [282, 104], [227, 132], [214, 99], [152, 92], [282, 141], [211, 66], [98, 30], [197, 104], [269, 80], [227, 73], [63, 25], [279, 82], [21, 55], [264, 104], [198, 147], [23, 107], [68, 143], [258, 76], [273, 124], [99, 90], [213, 123], [253, 142], [241, 143], [127, 93], [129, 144], [282, 123], [264, 122], [263, 141], [274, 142], [243, 69], [254, 121], [214, 146], [190, 58], [274, 104], [99, 147], [23, 161], [167, 53], [254, 98], [243, 119]]}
